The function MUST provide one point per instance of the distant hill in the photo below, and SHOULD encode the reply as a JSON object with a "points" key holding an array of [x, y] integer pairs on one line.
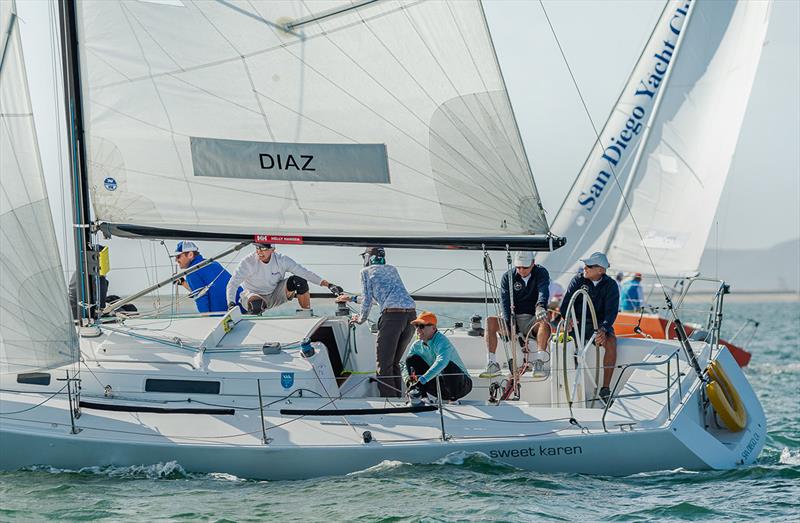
{"points": [[776, 268]]}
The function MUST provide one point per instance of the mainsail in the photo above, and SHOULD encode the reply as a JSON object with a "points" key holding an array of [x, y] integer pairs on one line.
{"points": [[300, 118], [36, 330], [669, 142]]}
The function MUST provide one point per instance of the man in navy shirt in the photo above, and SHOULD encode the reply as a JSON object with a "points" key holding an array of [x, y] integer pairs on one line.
{"points": [[604, 293], [209, 282], [531, 293]]}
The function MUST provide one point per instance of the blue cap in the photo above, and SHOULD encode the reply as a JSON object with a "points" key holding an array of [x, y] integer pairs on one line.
{"points": [[185, 246], [597, 258]]}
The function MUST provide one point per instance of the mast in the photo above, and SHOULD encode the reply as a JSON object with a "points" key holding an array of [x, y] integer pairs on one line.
{"points": [[643, 141], [74, 116]]}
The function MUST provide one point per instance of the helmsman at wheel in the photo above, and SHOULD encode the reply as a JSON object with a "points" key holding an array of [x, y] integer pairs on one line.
{"points": [[262, 275], [604, 292]]}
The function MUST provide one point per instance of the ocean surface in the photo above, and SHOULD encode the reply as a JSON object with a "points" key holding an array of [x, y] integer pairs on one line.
{"points": [[461, 487]]}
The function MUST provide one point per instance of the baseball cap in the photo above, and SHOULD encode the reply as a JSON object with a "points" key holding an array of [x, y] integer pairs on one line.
{"points": [[425, 318], [185, 246], [523, 259], [374, 251], [597, 258]]}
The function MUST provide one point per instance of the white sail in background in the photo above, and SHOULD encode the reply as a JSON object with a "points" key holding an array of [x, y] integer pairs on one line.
{"points": [[699, 106], [36, 330], [387, 118]]}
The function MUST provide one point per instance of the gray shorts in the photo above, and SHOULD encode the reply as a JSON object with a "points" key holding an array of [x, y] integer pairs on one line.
{"points": [[524, 323], [273, 299]]}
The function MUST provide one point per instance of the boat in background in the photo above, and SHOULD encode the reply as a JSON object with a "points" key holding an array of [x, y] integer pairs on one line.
{"points": [[649, 190]]}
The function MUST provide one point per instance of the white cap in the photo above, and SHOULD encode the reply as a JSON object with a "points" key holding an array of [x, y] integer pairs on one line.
{"points": [[523, 259], [597, 258], [185, 246]]}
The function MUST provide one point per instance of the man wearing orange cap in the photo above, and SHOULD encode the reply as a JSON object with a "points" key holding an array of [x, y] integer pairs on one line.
{"points": [[434, 356]]}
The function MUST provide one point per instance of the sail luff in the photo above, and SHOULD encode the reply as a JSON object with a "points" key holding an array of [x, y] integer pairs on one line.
{"points": [[524, 151], [608, 120], [623, 205]]}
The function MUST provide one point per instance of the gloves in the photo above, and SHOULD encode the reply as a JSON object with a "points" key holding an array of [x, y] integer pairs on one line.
{"points": [[541, 314], [231, 305], [179, 281]]}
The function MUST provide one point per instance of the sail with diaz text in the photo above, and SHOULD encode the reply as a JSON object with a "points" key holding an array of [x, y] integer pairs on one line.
{"points": [[36, 332], [196, 94], [648, 192], [269, 113]]}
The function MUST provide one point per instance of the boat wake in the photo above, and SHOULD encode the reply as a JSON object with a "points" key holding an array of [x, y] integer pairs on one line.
{"points": [[168, 470]]}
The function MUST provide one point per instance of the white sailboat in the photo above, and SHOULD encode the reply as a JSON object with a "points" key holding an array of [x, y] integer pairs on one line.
{"points": [[186, 117]]}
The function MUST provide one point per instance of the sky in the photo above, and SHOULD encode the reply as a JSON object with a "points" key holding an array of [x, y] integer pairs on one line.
{"points": [[602, 40]]}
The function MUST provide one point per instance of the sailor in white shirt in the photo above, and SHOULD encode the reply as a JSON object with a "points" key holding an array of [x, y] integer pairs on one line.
{"points": [[262, 275]]}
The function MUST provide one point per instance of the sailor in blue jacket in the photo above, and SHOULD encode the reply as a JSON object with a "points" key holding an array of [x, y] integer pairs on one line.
{"points": [[209, 282], [604, 292], [531, 294]]}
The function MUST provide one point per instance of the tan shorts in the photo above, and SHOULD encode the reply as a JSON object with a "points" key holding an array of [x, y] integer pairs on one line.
{"points": [[273, 299]]}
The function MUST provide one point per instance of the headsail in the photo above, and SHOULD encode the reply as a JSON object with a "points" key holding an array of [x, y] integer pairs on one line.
{"points": [[382, 118], [36, 330], [691, 86]]}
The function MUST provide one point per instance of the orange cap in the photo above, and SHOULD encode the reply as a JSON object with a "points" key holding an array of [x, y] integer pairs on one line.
{"points": [[425, 318]]}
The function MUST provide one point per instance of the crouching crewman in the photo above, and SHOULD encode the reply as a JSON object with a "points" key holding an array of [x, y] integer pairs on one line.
{"points": [[431, 356]]}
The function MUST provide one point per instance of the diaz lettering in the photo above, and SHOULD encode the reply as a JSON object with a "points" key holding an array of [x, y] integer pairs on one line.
{"points": [[272, 161], [647, 88]]}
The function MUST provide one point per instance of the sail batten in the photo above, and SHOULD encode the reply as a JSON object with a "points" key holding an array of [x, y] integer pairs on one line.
{"points": [[418, 78]]}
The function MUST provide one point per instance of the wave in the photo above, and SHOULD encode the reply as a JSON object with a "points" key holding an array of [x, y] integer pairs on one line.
{"points": [[788, 457]]}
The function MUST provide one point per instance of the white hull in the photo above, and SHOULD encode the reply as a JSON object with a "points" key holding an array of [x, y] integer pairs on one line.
{"points": [[535, 434]]}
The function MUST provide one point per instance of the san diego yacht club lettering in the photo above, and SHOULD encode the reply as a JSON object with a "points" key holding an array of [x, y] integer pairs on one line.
{"points": [[646, 93]]}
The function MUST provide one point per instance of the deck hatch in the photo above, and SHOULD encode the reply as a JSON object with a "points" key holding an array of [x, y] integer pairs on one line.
{"points": [[181, 386]]}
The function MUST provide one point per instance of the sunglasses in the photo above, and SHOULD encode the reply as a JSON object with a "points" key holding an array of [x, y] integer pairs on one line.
{"points": [[420, 326], [592, 266], [263, 248]]}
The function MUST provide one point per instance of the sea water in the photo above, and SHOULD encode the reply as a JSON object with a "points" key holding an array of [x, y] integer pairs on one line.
{"points": [[462, 486]]}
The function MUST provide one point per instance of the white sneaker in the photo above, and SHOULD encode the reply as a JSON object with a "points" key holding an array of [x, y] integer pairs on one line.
{"points": [[538, 368], [492, 370]]}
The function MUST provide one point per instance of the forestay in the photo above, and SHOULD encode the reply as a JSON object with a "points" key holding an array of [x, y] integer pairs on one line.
{"points": [[36, 330], [382, 118], [691, 87]]}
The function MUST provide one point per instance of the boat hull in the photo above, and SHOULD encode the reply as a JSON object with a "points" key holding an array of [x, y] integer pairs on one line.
{"points": [[320, 446]]}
